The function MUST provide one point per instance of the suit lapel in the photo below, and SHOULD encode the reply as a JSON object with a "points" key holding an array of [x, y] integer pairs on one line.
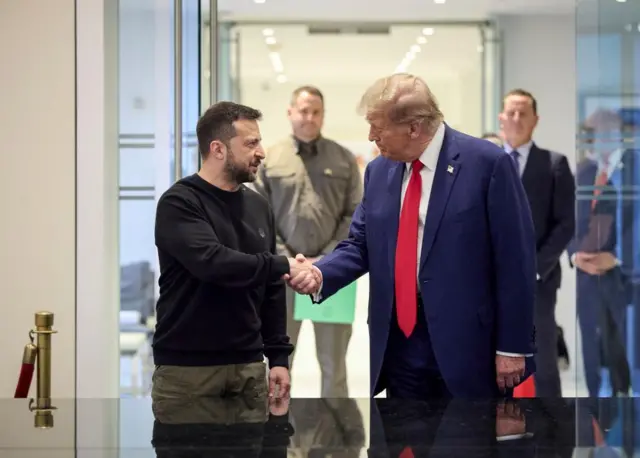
{"points": [[529, 175], [394, 193], [447, 170]]}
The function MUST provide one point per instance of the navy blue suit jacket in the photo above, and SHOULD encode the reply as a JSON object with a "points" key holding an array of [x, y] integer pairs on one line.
{"points": [[477, 272]]}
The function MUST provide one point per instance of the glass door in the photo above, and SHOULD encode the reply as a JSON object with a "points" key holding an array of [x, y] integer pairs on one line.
{"points": [[159, 105]]}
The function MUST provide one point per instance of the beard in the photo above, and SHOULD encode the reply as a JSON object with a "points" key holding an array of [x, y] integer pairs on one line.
{"points": [[237, 172]]}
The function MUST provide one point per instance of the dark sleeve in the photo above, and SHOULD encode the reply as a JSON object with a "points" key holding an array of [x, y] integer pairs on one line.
{"points": [[514, 254], [562, 219], [183, 232], [273, 314], [261, 185], [350, 259], [352, 199]]}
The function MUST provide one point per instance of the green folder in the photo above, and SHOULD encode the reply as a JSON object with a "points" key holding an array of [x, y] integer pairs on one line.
{"points": [[339, 308]]}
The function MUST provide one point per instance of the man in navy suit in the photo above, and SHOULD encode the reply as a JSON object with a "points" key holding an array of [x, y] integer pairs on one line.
{"points": [[445, 232], [602, 251]]}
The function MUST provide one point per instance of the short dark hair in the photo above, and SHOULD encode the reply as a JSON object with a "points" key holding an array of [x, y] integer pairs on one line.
{"points": [[217, 123], [522, 93], [310, 89]]}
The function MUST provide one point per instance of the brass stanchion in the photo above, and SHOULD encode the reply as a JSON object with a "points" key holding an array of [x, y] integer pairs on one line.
{"points": [[43, 408]]}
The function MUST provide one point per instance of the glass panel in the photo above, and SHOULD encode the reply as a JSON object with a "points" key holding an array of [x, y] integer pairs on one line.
{"points": [[606, 247], [146, 111]]}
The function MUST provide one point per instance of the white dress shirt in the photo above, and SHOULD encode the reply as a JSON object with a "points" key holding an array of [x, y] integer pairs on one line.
{"points": [[429, 159]]}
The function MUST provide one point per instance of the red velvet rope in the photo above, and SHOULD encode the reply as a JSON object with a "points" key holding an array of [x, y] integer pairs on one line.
{"points": [[26, 371], [24, 380]]}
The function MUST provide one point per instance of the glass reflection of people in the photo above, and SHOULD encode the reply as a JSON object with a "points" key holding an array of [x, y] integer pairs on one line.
{"points": [[244, 425], [601, 251], [222, 305], [523, 428], [403, 428], [550, 188], [326, 428]]}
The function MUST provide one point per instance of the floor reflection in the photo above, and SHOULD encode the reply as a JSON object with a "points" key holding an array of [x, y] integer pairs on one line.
{"points": [[250, 425]]}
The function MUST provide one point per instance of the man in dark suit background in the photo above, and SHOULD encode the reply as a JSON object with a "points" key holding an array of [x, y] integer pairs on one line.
{"points": [[550, 188], [445, 232]]}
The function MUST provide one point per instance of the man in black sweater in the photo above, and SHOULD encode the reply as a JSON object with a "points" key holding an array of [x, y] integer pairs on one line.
{"points": [[222, 302]]}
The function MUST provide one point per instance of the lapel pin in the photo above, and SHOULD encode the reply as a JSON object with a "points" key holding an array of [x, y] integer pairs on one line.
{"points": [[328, 172], [450, 169]]}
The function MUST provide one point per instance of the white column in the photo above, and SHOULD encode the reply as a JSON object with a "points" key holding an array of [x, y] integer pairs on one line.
{"points": [[98, 302], [97, 260], [37, 184]]}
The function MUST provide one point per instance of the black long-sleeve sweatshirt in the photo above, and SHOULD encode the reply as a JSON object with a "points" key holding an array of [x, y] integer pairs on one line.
{"points": [[222, 300]]}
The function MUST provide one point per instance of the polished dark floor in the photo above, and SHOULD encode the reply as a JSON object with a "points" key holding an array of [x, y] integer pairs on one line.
{"points": [[323, 428]]}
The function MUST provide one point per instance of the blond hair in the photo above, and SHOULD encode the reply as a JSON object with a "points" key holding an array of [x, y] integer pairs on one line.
{"points": [[403, 98]]}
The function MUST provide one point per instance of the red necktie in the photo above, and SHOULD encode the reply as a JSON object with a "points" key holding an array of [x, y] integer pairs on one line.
{"points": [[407, 254], [601, 180], [407, 452]]}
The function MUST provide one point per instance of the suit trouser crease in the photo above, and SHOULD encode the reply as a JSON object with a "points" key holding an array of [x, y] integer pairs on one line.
{"points": [[547, 378]]}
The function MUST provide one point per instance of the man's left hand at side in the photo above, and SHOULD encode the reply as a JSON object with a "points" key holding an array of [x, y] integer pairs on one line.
{"points": [[509, 371], [279, 382]]}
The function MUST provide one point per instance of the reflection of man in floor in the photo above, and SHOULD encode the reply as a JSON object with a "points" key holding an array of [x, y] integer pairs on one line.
{"points": [[326, 428], [602, 252], [240, 426]]}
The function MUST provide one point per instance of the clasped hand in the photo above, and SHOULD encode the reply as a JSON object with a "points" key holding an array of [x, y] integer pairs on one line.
{"points": [[303, 277]]}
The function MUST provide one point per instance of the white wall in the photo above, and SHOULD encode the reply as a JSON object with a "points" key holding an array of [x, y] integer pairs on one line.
{"points": [[58, 192], [53, 243], [540, 56], [37, 183]]}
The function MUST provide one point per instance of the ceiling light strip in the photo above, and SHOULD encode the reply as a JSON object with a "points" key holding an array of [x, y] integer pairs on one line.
{"points": [[414, 50], [274, 55]]}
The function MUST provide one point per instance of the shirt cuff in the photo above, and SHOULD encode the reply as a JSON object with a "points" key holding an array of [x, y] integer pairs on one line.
{"points": [[317, 296], [513, 355], [513, 437]]}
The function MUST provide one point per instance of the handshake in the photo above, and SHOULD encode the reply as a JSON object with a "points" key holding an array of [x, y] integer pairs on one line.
{"points": [[303, 276]]}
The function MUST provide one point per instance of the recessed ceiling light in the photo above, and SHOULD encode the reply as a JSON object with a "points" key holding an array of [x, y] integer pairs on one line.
{"points": [[621, 1], [415, 49], [270, 40], [267, 32], [421, 40], [281, 78], [428, 31], [440, 2], [260, 1]]}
